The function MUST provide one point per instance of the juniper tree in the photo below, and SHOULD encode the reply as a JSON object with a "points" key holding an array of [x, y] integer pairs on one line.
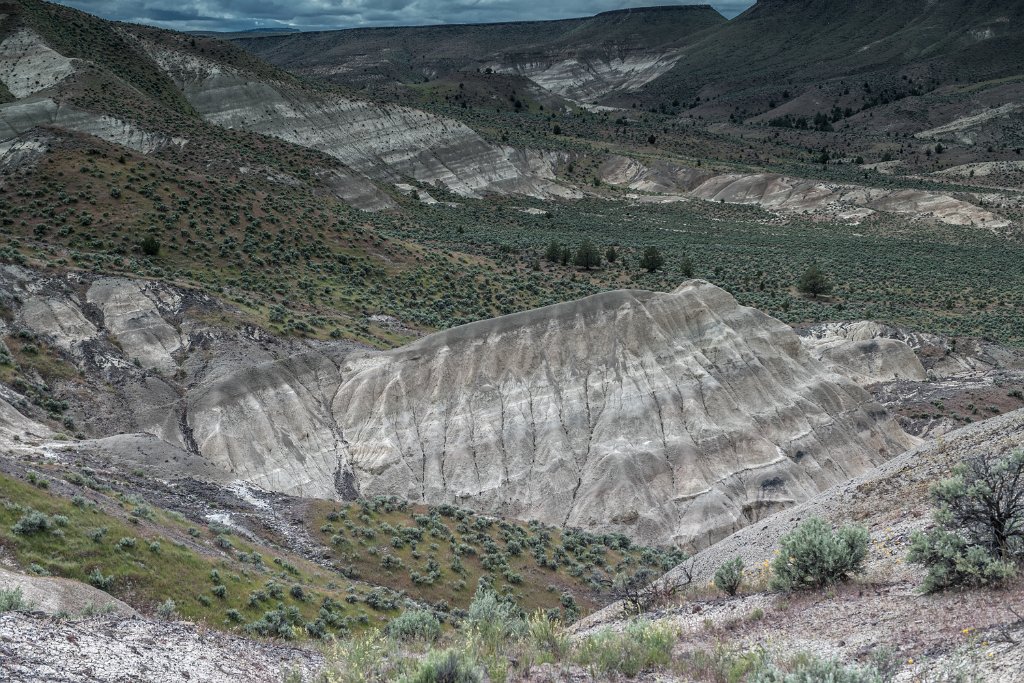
{"points": [[814, 281], [587, 256], [652, 259], [686, 267], [979, 537]]}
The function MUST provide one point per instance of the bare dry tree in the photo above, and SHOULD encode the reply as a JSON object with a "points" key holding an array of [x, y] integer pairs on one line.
{"points": [[642, 591]]}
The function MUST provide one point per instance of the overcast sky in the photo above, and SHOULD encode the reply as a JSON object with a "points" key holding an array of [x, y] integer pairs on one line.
{"points": [[234, 15]]}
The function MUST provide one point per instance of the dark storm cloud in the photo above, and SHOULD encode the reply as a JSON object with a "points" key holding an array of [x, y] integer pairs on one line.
{"points": [[233, 15]]}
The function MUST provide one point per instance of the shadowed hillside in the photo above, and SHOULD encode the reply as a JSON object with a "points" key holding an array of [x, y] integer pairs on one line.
{"points": [[785, 43], [414, 54]]}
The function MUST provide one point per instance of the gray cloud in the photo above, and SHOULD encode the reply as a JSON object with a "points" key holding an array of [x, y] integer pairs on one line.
{"points": [[235, 15]]}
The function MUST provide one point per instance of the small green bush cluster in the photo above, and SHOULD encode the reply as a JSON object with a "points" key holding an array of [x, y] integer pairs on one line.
{"points": [[34, 478], [12, 600], [97, 579], [283, 622], [641, 646], [447, 666], [729, 576], [493, 618], [33, 522], [167, 610], [813, 556], [549, 641], [809, 669], [381, 599], [416, 624]]}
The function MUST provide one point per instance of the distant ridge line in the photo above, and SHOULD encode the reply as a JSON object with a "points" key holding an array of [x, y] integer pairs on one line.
{"points": [[655, 8], [255, 33]]}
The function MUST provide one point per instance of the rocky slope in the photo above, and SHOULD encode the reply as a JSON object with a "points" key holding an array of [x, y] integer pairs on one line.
{"points": [[54, 596], [387, 142], [816, 41], [674, 417], [867, 361], [931, 384], [28, 65], [935, 637], [34, 649], [779, 58], [36, 75]]}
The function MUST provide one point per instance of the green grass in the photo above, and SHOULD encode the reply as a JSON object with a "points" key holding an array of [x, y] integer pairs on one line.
{"points": [[451, 549], [625, 651], [76, 524], [641, 646], [84, 542]]}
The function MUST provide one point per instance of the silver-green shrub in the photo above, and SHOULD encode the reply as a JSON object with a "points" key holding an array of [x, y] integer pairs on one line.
{"points": [[415, 624], [729, 576], [814, 556]]}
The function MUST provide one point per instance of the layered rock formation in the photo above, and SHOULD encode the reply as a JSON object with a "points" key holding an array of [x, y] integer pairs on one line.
{"points": [[24, 115], [862, 352], [585, 78], [931, 384], [376, 141], [781, 193], [674, 417], [28, 65], [386, 142], [940, 357], [28, 68]]}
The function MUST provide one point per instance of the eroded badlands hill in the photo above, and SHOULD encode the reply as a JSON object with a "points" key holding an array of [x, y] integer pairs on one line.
{"points": [[149, 90], [674, 417], [663, 181]]}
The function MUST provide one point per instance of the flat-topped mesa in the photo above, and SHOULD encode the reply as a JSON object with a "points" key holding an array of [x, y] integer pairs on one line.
{"points": [[674, 417]]}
